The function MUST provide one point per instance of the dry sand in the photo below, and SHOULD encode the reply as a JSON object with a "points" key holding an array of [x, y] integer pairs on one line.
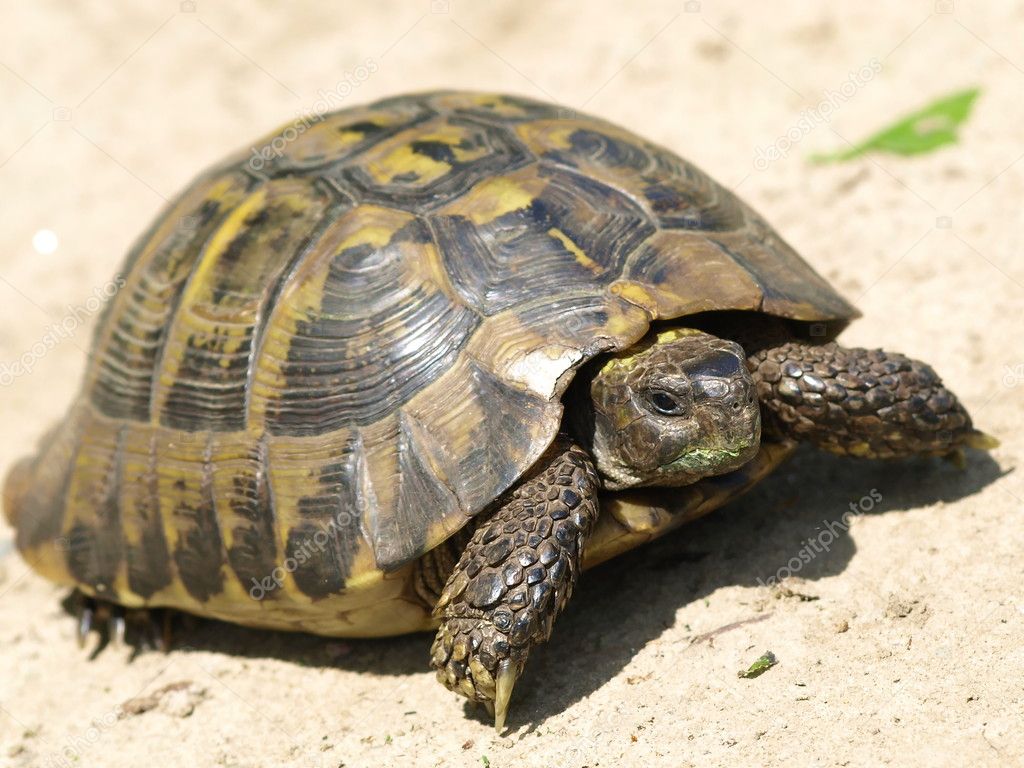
{"points": [[907, 649]]}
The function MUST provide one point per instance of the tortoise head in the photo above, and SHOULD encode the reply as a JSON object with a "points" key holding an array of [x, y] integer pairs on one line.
{"points": [[673, 409]]}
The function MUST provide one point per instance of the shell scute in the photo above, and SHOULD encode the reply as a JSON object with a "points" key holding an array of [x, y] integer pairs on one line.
{"points": [[571, 233]]}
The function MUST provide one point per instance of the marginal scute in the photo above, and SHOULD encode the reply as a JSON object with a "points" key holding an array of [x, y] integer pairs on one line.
{"points": [[320, 484], [476, 446], [92, 525], [188, 509], [35, 495], [147, 556], [791, 287], [327, 538], [424, 496], [245, 511]]}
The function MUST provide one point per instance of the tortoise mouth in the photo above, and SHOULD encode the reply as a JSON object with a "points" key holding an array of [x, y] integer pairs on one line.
{"points": [[704, 462]]}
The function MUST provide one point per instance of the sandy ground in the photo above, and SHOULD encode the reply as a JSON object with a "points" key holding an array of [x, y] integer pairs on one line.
{"points": [[900, 644]]}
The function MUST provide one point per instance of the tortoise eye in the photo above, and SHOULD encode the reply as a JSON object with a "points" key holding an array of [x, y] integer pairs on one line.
{"points": [[665, 403]]}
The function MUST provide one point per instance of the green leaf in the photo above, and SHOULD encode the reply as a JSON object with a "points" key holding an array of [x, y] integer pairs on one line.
{"points": [[923, 131], [759, 667]]}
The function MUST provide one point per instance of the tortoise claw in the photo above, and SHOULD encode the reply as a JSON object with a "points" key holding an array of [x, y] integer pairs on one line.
{"points": [[981, 441], [142, 629], [508, 673], [158, 630], [117, 628], [85, 618]]}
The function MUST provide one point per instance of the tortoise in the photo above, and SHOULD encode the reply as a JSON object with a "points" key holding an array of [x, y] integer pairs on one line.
{"points": [[415, 365]]}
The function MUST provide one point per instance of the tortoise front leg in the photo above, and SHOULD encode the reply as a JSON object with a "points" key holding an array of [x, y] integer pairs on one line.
{"points": [[514, 577], [860, 402]]}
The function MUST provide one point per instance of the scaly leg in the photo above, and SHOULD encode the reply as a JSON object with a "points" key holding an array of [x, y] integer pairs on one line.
{"points": [[514, 577], [860, 402]]}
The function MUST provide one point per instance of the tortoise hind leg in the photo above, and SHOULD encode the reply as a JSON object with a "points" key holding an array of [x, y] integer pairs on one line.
{"points": [[514, 577], [142, 628], [860, 402]]}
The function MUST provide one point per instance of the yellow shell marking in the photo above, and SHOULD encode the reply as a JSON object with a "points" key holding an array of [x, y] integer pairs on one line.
{"points": [[493, 198], [674, 334], [637, 294], [404, 159], [543, 135], [199, 283], [575, 250]]}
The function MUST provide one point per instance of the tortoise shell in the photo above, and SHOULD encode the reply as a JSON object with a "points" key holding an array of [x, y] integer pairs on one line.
{"points": [[334, 349]]}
